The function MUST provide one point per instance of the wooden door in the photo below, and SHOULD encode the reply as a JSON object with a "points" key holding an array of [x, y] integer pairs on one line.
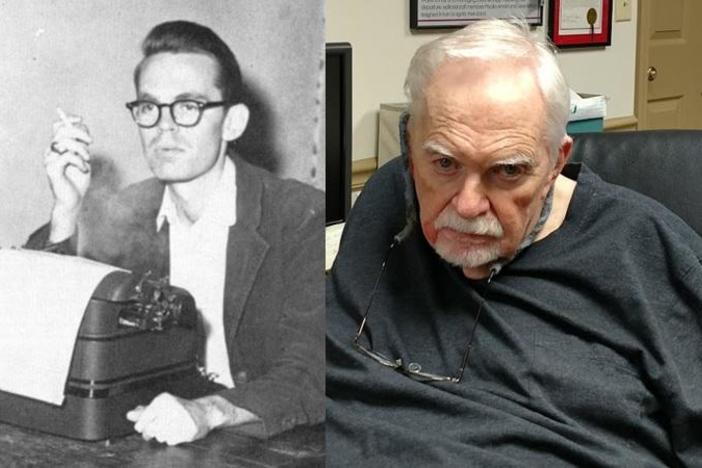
{"points": [[669, 64]]}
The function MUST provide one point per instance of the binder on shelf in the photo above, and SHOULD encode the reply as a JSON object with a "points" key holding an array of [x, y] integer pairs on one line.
{"points": [[587, 112]]}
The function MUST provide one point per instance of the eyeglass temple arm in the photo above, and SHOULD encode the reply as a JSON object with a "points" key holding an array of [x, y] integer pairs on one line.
{"points": [[469, 345], [373, 292]]}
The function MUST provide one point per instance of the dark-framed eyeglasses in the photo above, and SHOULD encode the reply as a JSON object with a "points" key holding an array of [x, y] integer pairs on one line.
{"points": [[184, 112], [414, 370]]}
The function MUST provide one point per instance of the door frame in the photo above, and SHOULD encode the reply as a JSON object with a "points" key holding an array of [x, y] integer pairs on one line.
{"points": [[641, 73]]}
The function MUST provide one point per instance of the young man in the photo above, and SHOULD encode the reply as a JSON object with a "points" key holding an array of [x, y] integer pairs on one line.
{"points": [[247, 245]]}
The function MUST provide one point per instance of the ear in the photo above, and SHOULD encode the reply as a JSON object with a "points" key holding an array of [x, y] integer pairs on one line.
{"points": [[563, 155], [561, 160], [235, 122]]}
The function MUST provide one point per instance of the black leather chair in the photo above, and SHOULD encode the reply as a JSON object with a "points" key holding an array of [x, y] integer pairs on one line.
{"points": [[666, 165]]}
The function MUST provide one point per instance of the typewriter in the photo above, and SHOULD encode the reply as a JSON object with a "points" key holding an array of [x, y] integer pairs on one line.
{"points": [[138, 337]]}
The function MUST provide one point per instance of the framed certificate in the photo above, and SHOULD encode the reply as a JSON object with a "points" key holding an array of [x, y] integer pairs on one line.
{"points": [[580, 23], [428, 14]]}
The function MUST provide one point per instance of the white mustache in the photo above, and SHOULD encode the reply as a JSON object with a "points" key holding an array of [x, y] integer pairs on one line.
{"points": [[485, 225]]}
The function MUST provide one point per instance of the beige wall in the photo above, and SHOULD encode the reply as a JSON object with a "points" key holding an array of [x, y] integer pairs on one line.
{"points": [[80, 54], [383, 45]]}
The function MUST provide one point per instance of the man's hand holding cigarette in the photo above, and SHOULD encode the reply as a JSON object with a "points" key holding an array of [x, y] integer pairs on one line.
{"points": [[67, 163]]}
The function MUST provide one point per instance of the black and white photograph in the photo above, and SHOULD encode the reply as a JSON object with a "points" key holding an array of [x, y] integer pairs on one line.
{"points": [[161, 233]]}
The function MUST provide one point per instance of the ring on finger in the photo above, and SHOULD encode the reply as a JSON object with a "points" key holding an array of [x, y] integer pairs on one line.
{"points": [[55, 148]]}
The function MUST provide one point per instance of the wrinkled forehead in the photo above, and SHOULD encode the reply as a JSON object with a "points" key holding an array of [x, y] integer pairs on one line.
{"points": [[493, 94]]}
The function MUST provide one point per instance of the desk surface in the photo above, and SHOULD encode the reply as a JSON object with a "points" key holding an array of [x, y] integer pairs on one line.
{"points": [[299, 447]]}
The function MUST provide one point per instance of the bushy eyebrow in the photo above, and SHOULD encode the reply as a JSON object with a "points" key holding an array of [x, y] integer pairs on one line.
{"points": [[518, 159], [437, 148]]}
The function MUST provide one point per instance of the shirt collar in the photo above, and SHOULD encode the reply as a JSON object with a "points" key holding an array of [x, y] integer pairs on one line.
{"points": [[220, 207]]}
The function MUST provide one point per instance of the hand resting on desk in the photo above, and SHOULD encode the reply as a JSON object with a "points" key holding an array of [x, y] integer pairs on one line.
{"points": [[173, 420]]}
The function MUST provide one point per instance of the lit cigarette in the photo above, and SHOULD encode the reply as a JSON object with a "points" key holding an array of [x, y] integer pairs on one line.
{"points": [[62, 115], [64, 118]]}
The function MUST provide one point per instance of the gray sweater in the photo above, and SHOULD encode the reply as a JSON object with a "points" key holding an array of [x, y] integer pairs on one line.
{"points": [[588, 350]]}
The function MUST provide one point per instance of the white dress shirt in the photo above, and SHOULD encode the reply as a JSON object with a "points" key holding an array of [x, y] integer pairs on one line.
{"points": [[198, 260]]}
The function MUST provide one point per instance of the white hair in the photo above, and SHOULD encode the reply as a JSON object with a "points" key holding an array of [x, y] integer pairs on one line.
{"points": [[496, 40]]}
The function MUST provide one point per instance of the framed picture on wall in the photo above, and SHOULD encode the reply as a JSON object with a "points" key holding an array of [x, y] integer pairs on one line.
{"points": [[580, 23], [429, 14]]}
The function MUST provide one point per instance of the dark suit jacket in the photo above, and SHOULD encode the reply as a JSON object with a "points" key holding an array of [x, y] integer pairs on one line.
{"points": [[273, 299]]}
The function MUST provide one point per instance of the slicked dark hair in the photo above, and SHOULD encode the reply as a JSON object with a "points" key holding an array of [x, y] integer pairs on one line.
{"points": [[184, 37]]}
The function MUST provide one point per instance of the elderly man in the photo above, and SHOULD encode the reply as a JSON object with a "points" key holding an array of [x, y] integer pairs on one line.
{"points": [[245, 244], [498, 313]]}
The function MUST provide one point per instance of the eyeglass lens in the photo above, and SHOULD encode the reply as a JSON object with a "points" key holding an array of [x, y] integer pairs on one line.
{"points": [[184, 113]]}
